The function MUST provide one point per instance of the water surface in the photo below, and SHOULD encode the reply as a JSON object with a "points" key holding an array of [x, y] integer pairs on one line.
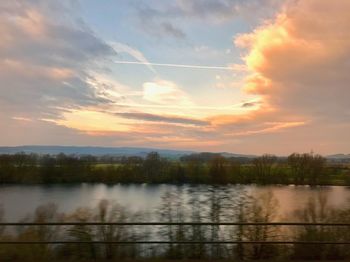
{"points": [[20, 200]]}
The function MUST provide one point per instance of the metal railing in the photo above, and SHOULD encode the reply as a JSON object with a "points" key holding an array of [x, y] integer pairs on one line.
{"points": [[274, 224]]}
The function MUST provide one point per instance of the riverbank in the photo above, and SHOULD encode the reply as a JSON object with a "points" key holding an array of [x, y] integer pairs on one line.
{"points": [[305, 169]]}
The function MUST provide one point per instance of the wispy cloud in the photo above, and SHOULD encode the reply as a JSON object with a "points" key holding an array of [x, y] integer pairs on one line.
{"points": [[19, 118], [163, 118], [271, 128], [231, 67], [137, 54], [162, 18]]}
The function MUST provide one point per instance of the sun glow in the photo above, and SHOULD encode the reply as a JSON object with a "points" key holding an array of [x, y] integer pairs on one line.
{"points": [[93, 121]]}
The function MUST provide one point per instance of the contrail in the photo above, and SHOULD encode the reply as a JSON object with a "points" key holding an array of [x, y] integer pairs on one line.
{"points": [[175, 65]]}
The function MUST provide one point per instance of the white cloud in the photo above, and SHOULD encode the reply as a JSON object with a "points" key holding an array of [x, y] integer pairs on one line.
{"points": [[165, 93]]}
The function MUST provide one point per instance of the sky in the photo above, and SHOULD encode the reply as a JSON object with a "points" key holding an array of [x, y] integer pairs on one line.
{"points": [[243, 76]]}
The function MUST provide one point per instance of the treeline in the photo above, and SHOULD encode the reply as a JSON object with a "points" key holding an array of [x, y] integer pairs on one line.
{"points": [[208, 168], [212, 205]]}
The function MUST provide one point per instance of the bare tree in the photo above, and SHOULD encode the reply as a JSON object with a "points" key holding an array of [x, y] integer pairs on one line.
{"points": [[263, 167]]}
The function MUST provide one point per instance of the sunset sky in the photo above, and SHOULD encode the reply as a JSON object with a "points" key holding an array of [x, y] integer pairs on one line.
{"points": [[243, 76]]}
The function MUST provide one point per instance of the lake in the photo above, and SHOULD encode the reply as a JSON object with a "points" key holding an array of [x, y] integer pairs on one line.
{"points": [[21, 200]]}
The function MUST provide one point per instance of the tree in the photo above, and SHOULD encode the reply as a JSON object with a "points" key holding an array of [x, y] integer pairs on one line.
{"points": [[261, 208], [196, 171], [262, 167], [234, 171], [317, 210], [217, 170], [307, 168], [172, 210], [153, 167]]}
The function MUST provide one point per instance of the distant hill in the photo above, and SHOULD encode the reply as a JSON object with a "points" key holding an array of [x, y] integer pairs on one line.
{"points": [[100, 151], [226, 154], [90, 150], [338, 156]]}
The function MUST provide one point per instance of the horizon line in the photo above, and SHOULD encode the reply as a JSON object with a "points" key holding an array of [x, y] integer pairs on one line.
{"points": [[166, 149]]}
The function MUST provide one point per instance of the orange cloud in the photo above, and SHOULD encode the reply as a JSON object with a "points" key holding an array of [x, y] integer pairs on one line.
{"points": [[300, 59], [299, 67], [24, 69], [272, 127], [33, 23], [60, 73], [92, 121]]}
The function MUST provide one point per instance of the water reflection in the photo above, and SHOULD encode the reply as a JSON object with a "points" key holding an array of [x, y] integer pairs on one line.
{"points": [[19, 200]]}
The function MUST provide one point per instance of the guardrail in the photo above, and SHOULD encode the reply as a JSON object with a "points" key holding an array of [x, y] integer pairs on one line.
{"points": [[277, 224]]}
